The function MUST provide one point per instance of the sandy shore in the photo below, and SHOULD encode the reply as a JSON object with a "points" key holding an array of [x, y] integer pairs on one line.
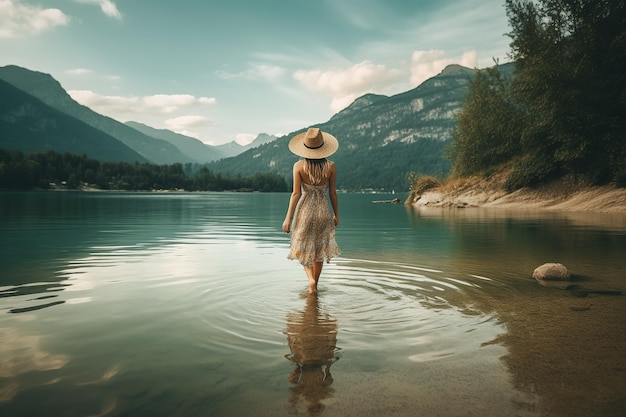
{"points": [[489, 192]]}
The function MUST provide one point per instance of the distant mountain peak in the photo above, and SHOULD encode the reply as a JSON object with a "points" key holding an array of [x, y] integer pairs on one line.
{"points": [[25, 72], [360, 103], [38, 84], [455, 69]]}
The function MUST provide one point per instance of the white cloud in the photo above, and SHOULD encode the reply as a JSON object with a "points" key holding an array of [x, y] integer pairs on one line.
{"points": [[119, 105], [107, 6], [78, 71], [83, 72], [187, 121], [108, 105], [19, 19], [168, 103], [244, 138], [188, 125], [255, 72], [427, 64], [345, 85], [269, 72], [151, 109]]}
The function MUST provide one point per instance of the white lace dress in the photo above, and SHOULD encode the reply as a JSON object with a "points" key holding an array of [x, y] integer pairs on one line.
{"points": [[312, 228]]}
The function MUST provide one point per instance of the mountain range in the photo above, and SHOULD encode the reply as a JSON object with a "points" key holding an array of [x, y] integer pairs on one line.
{"points": [[382, 138], [146, 144], [29, 125]]}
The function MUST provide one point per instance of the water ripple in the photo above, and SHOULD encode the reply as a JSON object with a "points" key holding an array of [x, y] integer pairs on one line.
{"points": [[392, 306]]}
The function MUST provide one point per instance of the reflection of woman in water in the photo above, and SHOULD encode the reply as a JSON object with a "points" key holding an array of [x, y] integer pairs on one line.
{"points": [[312, 338]]}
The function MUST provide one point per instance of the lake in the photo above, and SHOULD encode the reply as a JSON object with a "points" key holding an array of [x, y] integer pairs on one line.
{"points": [[184, 304]]}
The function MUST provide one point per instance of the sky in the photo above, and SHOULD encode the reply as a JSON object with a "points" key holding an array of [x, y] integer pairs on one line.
{"points": [[228, 70]]}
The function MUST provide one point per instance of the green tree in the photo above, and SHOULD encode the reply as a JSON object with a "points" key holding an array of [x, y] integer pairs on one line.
{"points": [[488, 129], [571, 84]]}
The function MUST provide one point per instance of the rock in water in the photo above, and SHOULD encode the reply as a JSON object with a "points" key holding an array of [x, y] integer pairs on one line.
{"points": [[551, 272]]}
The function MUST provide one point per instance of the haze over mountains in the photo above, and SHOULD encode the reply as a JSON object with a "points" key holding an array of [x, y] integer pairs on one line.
{"points": [[382, 139]]}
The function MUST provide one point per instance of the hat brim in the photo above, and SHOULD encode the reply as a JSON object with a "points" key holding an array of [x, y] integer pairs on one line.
{"points": [[330, 146]]}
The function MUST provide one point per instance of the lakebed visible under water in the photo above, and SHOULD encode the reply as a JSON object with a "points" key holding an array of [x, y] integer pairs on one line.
{"points": [[184, 304]]}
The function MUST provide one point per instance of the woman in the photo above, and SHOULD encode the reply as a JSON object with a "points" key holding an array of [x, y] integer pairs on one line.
{"points": [[308, 216]]}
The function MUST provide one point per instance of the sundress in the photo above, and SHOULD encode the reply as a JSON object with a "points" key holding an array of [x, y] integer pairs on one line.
{"points": [[313, 228]]}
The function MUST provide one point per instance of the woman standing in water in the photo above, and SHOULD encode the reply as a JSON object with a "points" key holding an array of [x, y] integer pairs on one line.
{"points": [[308, 217]]}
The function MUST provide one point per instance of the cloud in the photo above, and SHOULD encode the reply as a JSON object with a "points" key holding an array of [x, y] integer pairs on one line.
{"points": [[22, 354], [107, 6], [108, 105], [82, 72], [168, 103], [78, 71], [427, 64], [345, 85], [269, 72], [158, 103], [188, 125], [255, 72], [150, 109], [19, 19], [244, 138]]}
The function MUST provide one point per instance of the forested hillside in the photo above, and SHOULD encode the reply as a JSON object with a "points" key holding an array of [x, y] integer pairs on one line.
{"points": [[563, 112], [29, 125]]}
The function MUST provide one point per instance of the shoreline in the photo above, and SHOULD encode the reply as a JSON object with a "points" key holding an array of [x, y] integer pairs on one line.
{"points": [[489, 192]]}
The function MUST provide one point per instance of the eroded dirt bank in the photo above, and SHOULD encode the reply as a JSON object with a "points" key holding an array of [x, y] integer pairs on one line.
{"points": [[489, 192]]}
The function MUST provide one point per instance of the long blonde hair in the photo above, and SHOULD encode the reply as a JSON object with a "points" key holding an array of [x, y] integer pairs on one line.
{"points": [[317, 170]]}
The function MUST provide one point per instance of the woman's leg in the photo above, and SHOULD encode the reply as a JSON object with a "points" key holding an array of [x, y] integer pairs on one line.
{"points": [[317, 271], [310, 273]]}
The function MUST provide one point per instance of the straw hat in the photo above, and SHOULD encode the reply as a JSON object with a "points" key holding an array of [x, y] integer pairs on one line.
{"points": [[313, 144]]}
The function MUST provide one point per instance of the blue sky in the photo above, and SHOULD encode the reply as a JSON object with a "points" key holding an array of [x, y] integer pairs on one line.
{"points": [[229, 70]]}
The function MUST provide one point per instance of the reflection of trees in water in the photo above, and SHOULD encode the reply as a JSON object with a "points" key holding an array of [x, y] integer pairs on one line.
{"points": [[312, 338]]}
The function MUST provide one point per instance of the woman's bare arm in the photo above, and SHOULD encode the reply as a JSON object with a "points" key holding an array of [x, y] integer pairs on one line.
{"points": [[295, 197], [332, 191]]}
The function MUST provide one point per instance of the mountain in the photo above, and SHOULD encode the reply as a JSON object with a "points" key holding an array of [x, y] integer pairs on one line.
{"points": [[197, 149], [382, 139], [193, 148], [233, 148], [30, 126], [50, 92], [230, 149], [261, 139]]}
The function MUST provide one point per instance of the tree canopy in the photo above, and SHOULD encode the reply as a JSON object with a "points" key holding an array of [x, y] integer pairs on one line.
{"points": [[562, 113], [40, 170]]}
